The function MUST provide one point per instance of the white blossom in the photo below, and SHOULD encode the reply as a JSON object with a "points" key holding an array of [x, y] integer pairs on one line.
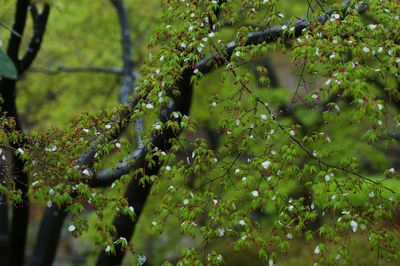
{"points": [[254, 193], [335, 16], [317, 250], [21, 151], [327, 178], [157, 126], [366, 50], [241, 222], [149, 106], [86, 172], [265, 164], [54, 148], [71, 228], [353, 225]]}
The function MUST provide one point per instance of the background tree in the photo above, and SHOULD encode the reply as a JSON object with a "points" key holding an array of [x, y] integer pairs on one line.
{"points": [[272, 158]]}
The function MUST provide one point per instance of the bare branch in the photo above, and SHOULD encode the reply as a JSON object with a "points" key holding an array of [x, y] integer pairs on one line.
{"points": [[18, 27], [39, 28], [129, 79], [71, 69]]}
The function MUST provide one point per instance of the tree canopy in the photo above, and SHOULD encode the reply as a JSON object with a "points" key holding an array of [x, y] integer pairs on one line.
{"points": [[198, 132]]}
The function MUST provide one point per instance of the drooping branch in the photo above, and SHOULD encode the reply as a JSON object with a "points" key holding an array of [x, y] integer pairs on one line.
{"points": [[205, 66], [269, 35], [136, 194]]}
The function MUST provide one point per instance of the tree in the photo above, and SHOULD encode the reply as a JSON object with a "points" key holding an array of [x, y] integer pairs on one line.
{"points": [[255, 165]]}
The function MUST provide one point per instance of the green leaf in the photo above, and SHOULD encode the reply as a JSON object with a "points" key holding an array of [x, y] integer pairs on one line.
{"points": [[7, 67]]}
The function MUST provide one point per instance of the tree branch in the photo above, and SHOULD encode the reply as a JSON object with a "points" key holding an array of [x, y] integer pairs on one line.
{"points": [[129, 79], [71, 69], [136, 194], [39, 28], [18, 27]]}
